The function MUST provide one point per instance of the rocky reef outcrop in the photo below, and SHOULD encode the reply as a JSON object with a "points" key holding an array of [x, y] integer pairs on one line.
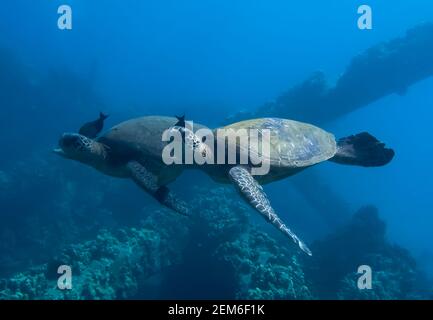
{"points": [[386, 68], [221, 253], [363, 241], [112, 266]]}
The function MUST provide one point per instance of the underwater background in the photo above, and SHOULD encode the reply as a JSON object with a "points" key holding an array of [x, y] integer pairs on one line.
{"points": [[216, 62]]}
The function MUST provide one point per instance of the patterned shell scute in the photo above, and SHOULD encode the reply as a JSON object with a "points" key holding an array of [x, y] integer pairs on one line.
{"points": [[292, 144]]}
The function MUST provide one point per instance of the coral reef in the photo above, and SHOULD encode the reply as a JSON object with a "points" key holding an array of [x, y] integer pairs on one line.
{"points": [[264, 269], [220, 248], [112, 266], [261, 267], [362, 241], [116, 264]]}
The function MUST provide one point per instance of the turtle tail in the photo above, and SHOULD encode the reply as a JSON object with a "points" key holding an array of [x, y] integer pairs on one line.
{"points": [[362, 150]]}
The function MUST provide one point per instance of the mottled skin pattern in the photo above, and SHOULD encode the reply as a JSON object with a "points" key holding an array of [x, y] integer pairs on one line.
{"points": [[254, 194], [149, 182], [193, 142]]}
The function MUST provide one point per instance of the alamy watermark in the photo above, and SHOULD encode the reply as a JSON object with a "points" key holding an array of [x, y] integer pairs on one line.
{"points": [[64, 22], [64, 282], [222, 146], [365, 21], [365, 280]]}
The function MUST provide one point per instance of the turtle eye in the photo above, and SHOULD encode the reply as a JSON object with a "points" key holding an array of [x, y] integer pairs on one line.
{"points": [[69, 141], [78, 144], [72, 141]]}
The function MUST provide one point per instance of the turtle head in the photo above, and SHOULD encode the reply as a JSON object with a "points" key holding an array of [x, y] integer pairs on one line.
{"points": [[77, 147], [195, 142]]}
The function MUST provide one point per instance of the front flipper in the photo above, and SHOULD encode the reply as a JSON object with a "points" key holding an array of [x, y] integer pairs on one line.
{"points": [[256, 197], [149, 183]]}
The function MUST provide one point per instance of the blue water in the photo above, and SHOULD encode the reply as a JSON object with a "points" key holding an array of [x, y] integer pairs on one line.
{"points": [[205, 59]]}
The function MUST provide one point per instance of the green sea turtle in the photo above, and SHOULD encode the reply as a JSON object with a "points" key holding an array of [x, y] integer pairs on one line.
{"points": [[133, 149], [294, 146]]}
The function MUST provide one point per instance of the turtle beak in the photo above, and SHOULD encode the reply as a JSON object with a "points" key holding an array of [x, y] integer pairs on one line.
{"points": [[59, 152], [65, 141]]}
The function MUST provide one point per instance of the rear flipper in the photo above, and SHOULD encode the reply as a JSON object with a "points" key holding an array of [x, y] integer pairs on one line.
{"points": [[362, 150]]}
